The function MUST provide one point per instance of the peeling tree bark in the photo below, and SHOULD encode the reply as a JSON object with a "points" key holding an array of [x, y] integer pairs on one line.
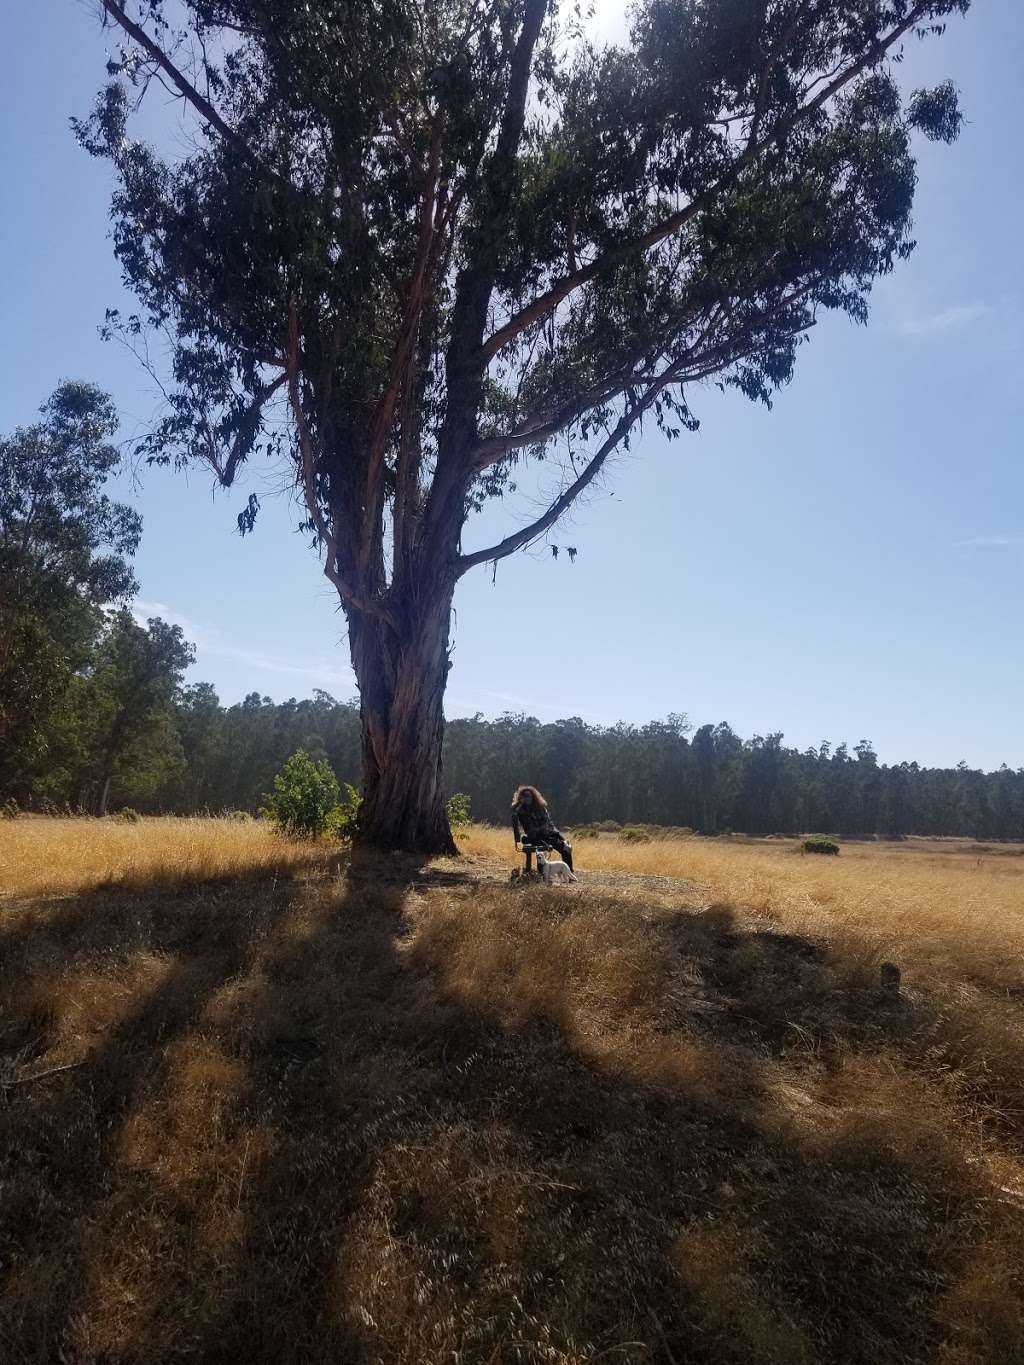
{"points": [[402, 670]]}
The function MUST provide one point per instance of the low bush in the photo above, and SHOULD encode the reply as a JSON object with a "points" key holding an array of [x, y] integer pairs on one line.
{"points": [[607, 826], [241, 816], [344, 817], [129, 815], [9, 810], [635, 834], [304, 798], [820, 843], [458, 810]]}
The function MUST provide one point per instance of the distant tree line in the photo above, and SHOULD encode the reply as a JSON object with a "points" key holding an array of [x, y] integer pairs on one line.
{"points": [[203, 756], [95, 715]]}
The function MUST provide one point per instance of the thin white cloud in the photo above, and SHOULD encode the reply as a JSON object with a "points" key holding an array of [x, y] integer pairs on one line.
{"points": [[947, 320], [142, 610], [210, 644], [989, 542], [459, 703]]}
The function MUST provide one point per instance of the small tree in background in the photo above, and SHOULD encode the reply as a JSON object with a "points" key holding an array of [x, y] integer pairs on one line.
{"points": [[304, 797], [125, 704], [451, 233], [458, 811]]}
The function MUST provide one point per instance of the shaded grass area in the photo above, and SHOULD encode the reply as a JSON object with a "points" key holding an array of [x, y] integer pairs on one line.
{"points": [[326, 1114]]}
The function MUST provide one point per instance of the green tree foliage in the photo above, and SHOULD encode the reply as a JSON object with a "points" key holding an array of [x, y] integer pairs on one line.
{"points": [[64, 551], [343, 821], [304, 797], [450, 234], [458, 809], [122, 730]]}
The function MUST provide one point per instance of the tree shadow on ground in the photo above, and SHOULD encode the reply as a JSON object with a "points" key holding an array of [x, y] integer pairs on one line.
{"points": [[298, 1136]]}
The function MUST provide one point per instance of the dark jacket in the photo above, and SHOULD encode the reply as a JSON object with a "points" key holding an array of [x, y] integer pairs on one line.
{"points": [[532, 823]]}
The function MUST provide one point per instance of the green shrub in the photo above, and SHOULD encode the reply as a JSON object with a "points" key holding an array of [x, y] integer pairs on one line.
{"points": [[304, 797], [129, 815], [608, 826], [458, 810], [9, 810], [585, 831], [344, 817], [242, 816], [635, 834], [820, 843]]}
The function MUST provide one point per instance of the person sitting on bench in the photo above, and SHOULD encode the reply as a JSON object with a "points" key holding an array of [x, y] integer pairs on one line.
{"points": [[532, 823]]}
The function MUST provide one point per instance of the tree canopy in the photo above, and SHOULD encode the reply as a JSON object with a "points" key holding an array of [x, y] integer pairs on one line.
{"points": [[65, 547], [459, 237]]}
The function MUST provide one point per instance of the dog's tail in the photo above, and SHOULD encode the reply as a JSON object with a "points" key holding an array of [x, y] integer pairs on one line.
{"points": [[572, 877]]}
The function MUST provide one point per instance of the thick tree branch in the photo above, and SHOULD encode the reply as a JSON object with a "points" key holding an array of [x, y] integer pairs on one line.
{"points": [[690, 368], [521, 538], [543, 306], [518, 539], [225, 470], [181, 82], [542, 424], [464, 363], [405, 350], [347, 591]]}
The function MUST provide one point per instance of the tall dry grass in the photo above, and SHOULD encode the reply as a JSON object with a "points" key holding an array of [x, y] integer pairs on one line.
{"points": [[942, 909], [48, 857]]}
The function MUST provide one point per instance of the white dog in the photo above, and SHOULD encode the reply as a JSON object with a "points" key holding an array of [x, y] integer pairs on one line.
{"points": [[554, 870]]}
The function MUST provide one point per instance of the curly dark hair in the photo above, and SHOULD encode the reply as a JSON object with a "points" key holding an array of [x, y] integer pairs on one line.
{"points": [[538, 800]]}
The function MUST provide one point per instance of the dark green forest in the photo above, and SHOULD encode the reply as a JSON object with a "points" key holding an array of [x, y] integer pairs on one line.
{"points": [[95, 714], [203, 756]]}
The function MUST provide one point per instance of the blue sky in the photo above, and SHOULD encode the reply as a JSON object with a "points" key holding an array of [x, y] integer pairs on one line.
{"points": [[848, 565]]}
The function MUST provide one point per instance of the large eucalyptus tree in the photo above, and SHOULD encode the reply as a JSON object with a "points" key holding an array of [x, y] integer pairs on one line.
{"points": [[438, 235]]}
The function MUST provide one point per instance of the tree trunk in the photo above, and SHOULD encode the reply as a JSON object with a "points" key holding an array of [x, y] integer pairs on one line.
{"points": [[104, 796], [401, 668]]}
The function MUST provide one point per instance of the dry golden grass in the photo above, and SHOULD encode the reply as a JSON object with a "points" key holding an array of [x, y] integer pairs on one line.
{"points": [[43, 857], [387, 1114], [938, 905]]}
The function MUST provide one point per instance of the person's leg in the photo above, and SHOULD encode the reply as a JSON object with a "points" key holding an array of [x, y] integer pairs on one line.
{"points": [[558, 841]]}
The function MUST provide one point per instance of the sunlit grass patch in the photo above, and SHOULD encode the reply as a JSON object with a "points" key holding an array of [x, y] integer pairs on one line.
{"points": [[59, 856]]}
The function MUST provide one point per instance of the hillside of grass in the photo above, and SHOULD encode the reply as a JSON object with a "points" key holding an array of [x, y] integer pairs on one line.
{"points": [[262, 1101]]}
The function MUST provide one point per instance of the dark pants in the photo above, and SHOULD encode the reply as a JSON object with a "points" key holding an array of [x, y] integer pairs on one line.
{"points": [[556, 840]]}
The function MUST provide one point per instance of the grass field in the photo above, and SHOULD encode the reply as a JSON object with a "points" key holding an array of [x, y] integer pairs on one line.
{"points": [[259, 1102]]}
